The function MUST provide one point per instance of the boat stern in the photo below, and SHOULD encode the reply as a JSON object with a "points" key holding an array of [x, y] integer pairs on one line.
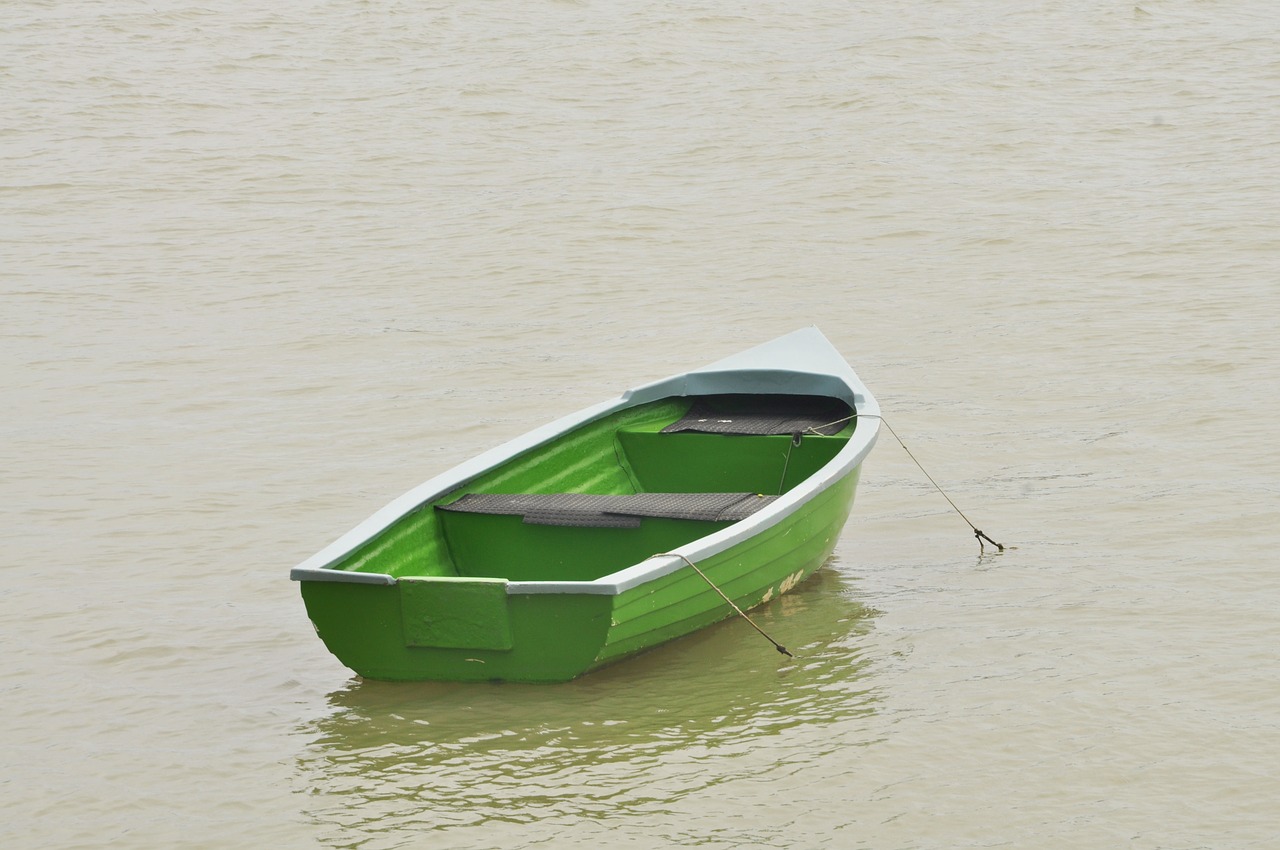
{"points": [[457, 629]]}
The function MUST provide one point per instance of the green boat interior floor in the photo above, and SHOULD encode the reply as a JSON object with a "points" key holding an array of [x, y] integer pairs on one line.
{"points": [[611, 494]]}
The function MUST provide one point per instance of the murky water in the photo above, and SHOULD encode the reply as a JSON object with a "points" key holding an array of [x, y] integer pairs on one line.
{"points": [[264, 269]]}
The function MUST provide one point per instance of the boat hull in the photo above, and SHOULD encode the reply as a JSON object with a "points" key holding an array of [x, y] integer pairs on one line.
{"points": [[573, 547], [385, 631]]}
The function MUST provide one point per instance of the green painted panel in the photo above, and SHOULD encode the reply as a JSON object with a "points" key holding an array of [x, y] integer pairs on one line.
{"points": [[412, 546], [554, 637], [507, 547], [455, 613], [708, 463]]}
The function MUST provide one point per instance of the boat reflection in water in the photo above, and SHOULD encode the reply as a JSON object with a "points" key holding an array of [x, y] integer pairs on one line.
{"points": [[625, 739]]}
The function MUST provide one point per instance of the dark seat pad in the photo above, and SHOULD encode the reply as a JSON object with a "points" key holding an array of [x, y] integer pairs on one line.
{"points": [[580, 509], [764, 415]]}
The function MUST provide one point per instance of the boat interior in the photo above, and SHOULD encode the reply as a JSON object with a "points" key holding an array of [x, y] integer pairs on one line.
{"points": [[643, 480]]}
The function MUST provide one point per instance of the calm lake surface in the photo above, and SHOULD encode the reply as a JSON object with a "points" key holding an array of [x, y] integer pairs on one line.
{"points": [[266, 267]]}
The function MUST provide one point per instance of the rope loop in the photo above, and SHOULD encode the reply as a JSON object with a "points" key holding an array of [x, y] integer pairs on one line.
{"points": [[976, 533]]}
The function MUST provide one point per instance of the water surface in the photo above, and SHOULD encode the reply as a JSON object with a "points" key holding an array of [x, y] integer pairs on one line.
{"points": [[265, 269]]}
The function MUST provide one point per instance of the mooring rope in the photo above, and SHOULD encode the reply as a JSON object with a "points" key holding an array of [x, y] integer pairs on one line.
{"points": [[741, 613], [977, 533], [795, 442]]}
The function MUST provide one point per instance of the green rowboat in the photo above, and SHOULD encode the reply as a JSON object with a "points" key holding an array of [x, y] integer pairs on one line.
{"points": [[607, 532]]}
